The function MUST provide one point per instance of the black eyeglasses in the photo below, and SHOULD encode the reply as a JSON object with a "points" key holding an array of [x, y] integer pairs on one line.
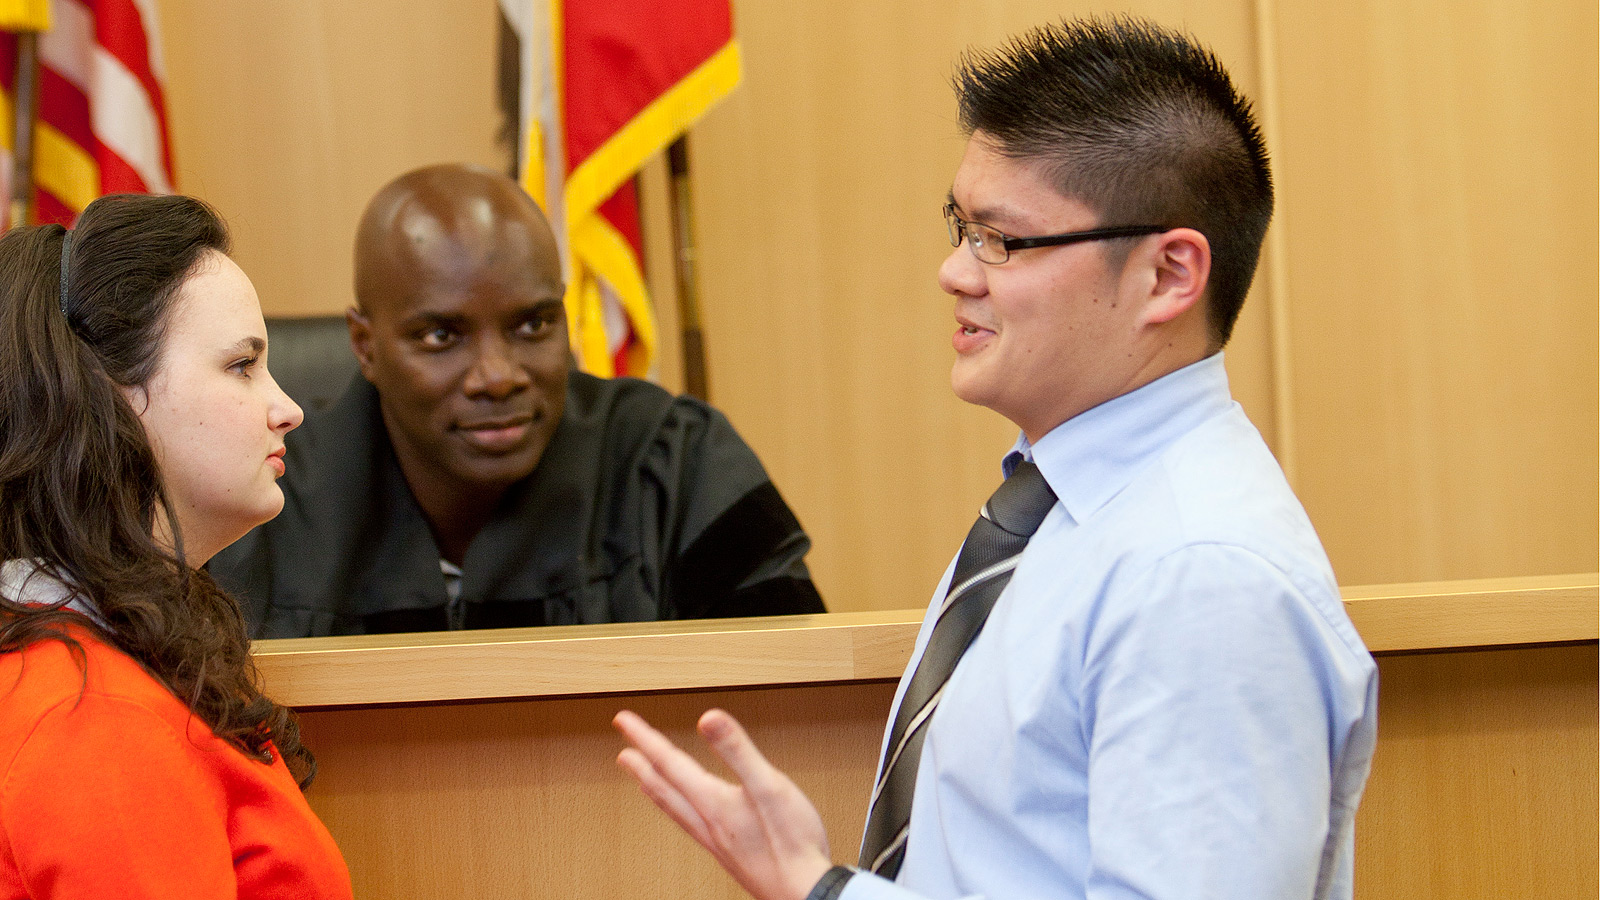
{"points": [[994, 247]]}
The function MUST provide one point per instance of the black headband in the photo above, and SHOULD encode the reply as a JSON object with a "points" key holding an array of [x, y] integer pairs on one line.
{"points": [[66, 276]]}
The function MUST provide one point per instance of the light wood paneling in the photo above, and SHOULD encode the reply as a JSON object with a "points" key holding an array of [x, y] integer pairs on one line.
{"points": [[1439, 162], [1475, 613], [640, 657], [524, 800], [631, 657], [289, 115], [1483, 784]]}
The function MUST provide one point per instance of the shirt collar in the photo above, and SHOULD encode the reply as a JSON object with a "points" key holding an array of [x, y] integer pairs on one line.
{"points": [[1089, 458], [30, 581]]}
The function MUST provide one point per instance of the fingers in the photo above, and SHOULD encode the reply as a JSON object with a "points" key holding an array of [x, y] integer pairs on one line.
{"points": [[730, 741], [674, 765], [670, 763], [666, 798], [635, 728], [670, 777], [764, 832]]}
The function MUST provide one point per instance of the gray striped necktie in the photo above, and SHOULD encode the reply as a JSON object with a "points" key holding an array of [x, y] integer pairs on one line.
{"points": [[991, 551]]}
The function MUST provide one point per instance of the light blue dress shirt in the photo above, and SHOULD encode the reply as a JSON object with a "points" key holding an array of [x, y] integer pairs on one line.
{"points": [[1168, 700]]}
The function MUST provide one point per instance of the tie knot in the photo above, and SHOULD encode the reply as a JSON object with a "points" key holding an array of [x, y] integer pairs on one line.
{"points": [[1021, 502]]}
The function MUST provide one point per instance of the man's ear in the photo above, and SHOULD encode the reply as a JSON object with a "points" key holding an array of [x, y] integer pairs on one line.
{"points": [[360, 339], [1181, 260]]}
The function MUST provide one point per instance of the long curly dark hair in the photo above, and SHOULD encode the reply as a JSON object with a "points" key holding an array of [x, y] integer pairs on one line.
{"points": [[80, 488]]}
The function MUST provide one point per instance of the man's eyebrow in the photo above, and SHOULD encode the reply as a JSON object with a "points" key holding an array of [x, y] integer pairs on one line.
{"points": [[424, 317], [1005, 214], [534, 308], [981, 215]]}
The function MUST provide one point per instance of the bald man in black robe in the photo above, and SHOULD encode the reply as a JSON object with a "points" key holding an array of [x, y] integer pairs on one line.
{"points": [[470, 479]]}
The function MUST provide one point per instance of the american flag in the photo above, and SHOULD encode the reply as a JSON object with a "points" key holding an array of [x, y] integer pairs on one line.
{"points": [[605, 85], [102, 121]]}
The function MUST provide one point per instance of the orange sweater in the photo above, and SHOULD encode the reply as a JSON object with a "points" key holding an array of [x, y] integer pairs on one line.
{"points": [[109, 787]]}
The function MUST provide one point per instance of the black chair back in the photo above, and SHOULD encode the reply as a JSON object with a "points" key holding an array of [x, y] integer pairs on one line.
{"points": [[311, 359]]}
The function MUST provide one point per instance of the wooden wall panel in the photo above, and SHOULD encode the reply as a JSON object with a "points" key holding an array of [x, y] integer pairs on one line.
{"points": [[524, 799], [289, 115], [1439, 160], [1484, 782]]}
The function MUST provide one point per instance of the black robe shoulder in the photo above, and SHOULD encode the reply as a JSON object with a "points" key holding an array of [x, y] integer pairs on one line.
{"points": [[644, 506]]}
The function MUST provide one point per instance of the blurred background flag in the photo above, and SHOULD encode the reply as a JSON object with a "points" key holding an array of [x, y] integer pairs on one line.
{"points": [[603, 85], [24, 15], [101, 122]]}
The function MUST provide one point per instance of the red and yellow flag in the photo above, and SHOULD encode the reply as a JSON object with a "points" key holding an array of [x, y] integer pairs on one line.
{"points": [[102, 122], [606, 85]]}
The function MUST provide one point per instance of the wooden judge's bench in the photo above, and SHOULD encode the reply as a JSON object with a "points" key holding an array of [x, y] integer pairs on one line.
{"points": [[482, 764]]}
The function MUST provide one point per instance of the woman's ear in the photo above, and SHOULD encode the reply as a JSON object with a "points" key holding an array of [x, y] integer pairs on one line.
{"points": [[1181, 260], [137, 397]]}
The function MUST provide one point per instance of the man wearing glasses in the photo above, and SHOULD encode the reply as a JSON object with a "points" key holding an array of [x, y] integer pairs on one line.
{"points": [[1137, 679]]}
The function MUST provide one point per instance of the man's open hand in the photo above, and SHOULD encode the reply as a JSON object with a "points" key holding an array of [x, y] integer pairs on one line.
{"points": [[763, 830]]}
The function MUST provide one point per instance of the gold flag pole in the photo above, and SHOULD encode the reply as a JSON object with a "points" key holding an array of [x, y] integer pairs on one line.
{"points": [[695, 381], [27, 106]]}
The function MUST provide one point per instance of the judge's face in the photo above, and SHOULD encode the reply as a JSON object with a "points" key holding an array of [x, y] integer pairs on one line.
{"points": [[214, 416], [464, 335]]}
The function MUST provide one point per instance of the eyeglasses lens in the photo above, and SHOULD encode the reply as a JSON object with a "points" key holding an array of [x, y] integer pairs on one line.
{"points": [[985, 243]]}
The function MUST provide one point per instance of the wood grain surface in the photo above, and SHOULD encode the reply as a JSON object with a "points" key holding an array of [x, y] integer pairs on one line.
{"points": [[650, 657]]}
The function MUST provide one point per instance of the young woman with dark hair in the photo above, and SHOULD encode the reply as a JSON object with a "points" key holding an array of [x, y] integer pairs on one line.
{"points": [[140, 433]]}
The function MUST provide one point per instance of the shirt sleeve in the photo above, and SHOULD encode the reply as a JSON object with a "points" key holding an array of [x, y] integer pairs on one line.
{"points": [[1214, 704], [105, 799]]}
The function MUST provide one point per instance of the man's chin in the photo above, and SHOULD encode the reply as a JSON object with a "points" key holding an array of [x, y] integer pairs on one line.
{"points": [[501, 470], [969, 385]]}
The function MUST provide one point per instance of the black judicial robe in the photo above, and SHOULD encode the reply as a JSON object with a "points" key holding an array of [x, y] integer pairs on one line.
{"points": [[644, 506]]}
